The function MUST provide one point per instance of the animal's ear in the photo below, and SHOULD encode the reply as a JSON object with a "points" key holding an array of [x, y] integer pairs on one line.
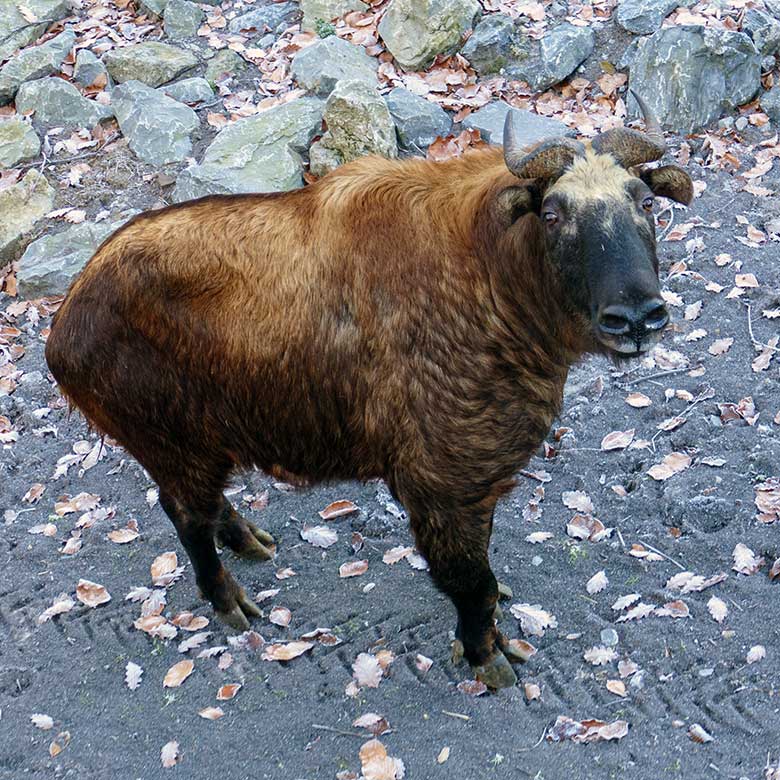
{"points": [[669, 181], [515, 202]]}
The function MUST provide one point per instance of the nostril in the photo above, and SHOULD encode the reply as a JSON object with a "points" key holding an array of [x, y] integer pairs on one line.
{"points": [[657, 317], [614, 323]]}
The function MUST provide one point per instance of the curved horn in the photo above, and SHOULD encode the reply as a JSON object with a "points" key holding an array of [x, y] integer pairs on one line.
{"points": [[630, 147], [545, 161]]}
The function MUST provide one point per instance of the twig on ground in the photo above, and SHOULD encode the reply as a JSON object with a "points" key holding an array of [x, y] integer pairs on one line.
{"points": [[456, 715], [330, 729], [663, 555], [655, 376], [756, 343], [536, 744]]}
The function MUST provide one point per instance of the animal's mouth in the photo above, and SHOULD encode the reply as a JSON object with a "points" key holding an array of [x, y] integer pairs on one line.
{"points": [[625, 346]]}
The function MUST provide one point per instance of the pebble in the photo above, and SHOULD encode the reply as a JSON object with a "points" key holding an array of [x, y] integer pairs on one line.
{"points": [[609, 637]]}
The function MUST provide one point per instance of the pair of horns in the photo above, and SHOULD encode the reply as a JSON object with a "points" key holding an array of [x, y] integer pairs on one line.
{"points": [[548, 159]]}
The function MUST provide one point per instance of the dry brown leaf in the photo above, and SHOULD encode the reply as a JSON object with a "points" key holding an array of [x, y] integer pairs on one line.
{"points": [[133, 674], [373, 723], [395, 554], [319, 536], [228, 691], [59, 743], [587, 527], [697, 734], [618, 687], [756, 653], [367, 671], [532, 691], [533, 619], [638, 400], [672, 464], [625, 601], [178, 673], [617, 440], [597, 582], [375, 764], [586, 731], [674, 609], [91, 594], [338, 509], [720, 346], [537, 537], [444, 754], [43, 722], [718, 609], [286, 652], [63, 603], [423, 663], [170, 755], [576, 499], [745, 560], [599, 655], [353, 568], [162, 565], [211, 713], [522, 648], [638, 612], [472, 687], [123, 535]]}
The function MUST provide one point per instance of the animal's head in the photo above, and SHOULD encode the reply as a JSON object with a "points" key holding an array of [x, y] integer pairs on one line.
{"points": [[596, 206]]}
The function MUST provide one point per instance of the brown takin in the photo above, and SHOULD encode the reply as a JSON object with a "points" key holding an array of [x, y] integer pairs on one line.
{"points": [[407, 320]]}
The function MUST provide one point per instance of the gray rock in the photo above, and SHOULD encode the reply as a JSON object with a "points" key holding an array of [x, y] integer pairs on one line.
{"points": [[158, 128], [690, 75], [153, 7], [496, 43], [270, 15], [415, 32], [55, 101], [225, 63], [34, 63], [194, 90], [21, 206], [89, 69], [417, 121], [532, 127], [181, 19], [555, 57], [645, 16], [256, 154], [322, 160], [359, 122], [764, 31], [17, 32], [326, 10], [770, 103], [319, 67], [18, 142], [51, 263], [609, 637], [151, 62]]}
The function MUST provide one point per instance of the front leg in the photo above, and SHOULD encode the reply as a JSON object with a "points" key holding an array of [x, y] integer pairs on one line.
{"points": [[455, 544]]}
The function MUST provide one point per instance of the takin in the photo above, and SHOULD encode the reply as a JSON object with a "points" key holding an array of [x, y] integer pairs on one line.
{"points": [[407, 320]]}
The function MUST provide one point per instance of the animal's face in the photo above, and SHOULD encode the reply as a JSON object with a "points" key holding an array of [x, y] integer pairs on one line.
{"points": [[596, 206], [600, 238]]}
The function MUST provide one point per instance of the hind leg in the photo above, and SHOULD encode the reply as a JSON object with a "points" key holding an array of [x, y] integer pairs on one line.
{"points": [[196, 528], [242, 537]]}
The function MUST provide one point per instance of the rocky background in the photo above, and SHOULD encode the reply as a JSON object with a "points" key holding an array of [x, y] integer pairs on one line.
{"points": [[108, 109], [641, 542]]}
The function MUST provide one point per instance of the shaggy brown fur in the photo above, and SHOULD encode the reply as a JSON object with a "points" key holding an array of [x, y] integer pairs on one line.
{"points": [[391, 320]]}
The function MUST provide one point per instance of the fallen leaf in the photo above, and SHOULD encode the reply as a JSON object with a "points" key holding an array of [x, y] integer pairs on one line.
{"points": [[162, 565], [423, 663], [584, 526], [211, 713], [472, 687], [169, 755], [375, 764], [286, 652], [133, 674], [597, 582], [586, 731], [576, 499], [673, 609], [638, 400], [625, 601], [537, 537], [178, 673], [123, 535], [672, 464], [697, 734], [599, 655], [618, 687], [43, 722], [533, 619], [367, 671], [91, 594], [228, 691], [338, 509], [638, 612], [319, 536], [532, 691], [63, 603], [745, 560], [522, 648], [59, 743], [756, 653], [395, 554], [280, 616], [720, 346], [353, 568], [372, 722]]}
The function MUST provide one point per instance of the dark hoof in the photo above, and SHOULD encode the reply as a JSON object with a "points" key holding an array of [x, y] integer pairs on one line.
{"points": [[504, 591], [513, 655], [254, 550], [238, 614], [262, 536], [496, 673]]}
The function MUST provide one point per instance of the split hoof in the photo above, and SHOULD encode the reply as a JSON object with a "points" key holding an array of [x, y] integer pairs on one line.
{"points": [[262, 536], [498, 613], [238, 615], [496, 673], [504, 591], [513, 655], [457, 651], [254, 550]]}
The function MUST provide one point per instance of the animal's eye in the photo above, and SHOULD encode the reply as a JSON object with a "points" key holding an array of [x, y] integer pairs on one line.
{"points": [[647, 203], [550, 218]]}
